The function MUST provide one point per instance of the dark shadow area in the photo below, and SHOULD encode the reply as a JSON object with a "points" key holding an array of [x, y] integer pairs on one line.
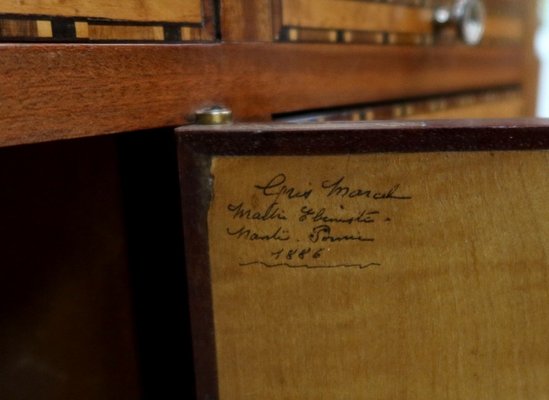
{"points": [[152, 212]]}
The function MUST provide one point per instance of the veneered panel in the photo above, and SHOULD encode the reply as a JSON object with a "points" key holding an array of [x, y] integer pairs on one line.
{"points": [[133, 10]]}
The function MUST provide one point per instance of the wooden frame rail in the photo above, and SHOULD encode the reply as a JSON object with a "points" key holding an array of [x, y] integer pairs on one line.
{"points": [[52, 92]]}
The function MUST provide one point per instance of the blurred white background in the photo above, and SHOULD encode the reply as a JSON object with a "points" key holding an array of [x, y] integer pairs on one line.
{"points": [[542, 48]]}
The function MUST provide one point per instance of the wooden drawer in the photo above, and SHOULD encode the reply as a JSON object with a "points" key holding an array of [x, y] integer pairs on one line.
{"points": [[368, 261], [97, 21], [257, 75], [406, 22], [396, 29], [505, 102], [385, 22]]}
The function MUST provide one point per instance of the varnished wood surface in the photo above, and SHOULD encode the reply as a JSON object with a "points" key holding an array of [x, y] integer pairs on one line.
{"points": [[93, 30], [247, 20], [17, 28], [312, 21], [531, 62], [448, 300], [504, 27], [502, 103], [65, 91], [356, 15], [124, 32], [127, 21], [132, 10], [503, 108], [369, 333]]}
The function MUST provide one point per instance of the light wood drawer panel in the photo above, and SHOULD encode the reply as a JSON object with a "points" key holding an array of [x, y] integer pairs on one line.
{"points": [[504, 28], [386, 22], [130, 10], [353, 15], [506, 108], [489, 103], [99, 21]]}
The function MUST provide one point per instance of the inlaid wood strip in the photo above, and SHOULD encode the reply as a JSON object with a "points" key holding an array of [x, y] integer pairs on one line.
{"points": [[500, 103], [191, 34], [44, 29], [402, 23], [78, 30], [82, 30], [126, 21], [408, 39], [363, 37], [11, 28], [311, 35], [125, 32], [505, 108]]}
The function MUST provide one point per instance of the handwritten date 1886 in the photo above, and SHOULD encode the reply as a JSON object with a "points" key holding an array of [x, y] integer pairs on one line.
{"points": [[299, 253]]}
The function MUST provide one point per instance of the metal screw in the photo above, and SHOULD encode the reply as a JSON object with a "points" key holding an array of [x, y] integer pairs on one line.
{"points": [[216, 115]]}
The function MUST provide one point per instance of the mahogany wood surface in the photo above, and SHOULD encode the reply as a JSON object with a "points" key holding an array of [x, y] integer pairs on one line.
{"points": [[53, 92], [258, 17]]}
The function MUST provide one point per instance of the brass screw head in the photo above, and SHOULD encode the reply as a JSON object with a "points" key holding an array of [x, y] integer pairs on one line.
{"points": [[216, 115]]}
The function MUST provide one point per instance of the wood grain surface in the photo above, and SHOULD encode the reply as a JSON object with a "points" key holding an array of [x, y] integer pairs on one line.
{"points": [[64, 91], [15, 28], [356, 15], [504, 27], [124, 32], [128, 21], [499, 108], [300, 18], [447, 301], [268, 20], [531, 62], [450, 296], [132, 10], [501, 103], [257, 14]]}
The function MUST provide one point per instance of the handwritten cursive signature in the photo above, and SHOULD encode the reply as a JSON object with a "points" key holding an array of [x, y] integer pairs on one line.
{"points": [[279, 234], [323, 233], [277, 187], [321, 215], [337, 189], [239, 211]]}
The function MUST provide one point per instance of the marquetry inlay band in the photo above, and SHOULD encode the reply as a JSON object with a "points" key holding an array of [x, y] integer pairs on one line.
{"points": [[56, 29], [406, 22], [103, 21], [495, 103]]}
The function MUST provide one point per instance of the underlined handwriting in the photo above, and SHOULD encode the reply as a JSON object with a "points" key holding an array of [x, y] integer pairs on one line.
{"points": [[313, 221]]}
